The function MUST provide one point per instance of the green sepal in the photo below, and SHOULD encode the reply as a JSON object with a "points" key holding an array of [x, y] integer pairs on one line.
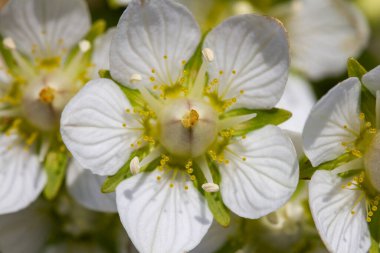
{"points": [[55, 167], [214, 200], [96, 29], [374, 229], [274, 116], [307, 170], [124, 172], [368, 105], [134, 96], [354, 68]]}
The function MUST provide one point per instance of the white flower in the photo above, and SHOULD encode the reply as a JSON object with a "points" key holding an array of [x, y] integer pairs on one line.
{"points": [[43, 73], [320, 46], [172, 124], [343, 200]]}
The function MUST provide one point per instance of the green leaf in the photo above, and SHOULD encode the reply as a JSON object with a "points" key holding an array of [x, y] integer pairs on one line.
{"points": [[307, 170], [355, 69], [274, 116], [55, 167], [214, 200]]}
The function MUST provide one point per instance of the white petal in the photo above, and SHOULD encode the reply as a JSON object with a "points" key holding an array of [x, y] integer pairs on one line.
{"points": [[321, 46], [21, 176], [160, 218], [49, 25], [371, 80], [92, 127], [26, 230], [100, 57], [255, 48], [268, 177], [215, 238], [298, 98], [85, 186], [146, 35], [333, 120], [296, 138], [331, 206]]}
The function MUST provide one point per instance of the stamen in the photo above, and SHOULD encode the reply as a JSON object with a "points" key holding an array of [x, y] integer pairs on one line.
{"points": [[153, 103], [200, 80], [233, 121], [135, 78], [9, 43], [84, 46], [210, 186], [352, 165], [208, 54], [135, 165]]}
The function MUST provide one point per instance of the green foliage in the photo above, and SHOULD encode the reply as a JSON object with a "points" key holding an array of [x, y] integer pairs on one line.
{"points": [[274, 116], [374, 228], [55, 168], [307, 170]]}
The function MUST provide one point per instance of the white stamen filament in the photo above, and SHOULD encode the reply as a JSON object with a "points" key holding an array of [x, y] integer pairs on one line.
{"points": [[210, 186], [153, 102], [352, 165], [378, 109], [44, 149], [23, 64], [233, 121], [199, 83], [84, 46]]}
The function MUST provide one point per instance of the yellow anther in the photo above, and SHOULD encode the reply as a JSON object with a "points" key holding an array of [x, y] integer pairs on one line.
{"points": [[124, 125], [183, 62], [165, 57], [153, 71], [171, 185], [186, 187], [234, 72], [372, 130], [370, 213], [356, 153], [221, 72], [242, 92], [47, 95], [368, 124], [369, 219], [190, 119], [374, 208], [244, 158], [158, 178], [362, 116], [31, 139], [192, 178], [152, 79], [352, 212]]}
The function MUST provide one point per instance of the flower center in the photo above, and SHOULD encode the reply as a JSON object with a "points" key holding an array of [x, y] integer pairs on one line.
{"points": [[372, 162], [188, 127]]}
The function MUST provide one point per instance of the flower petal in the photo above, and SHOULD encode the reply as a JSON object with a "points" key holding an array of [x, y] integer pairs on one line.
{"points": [[100, 56], [298, 98], [371, 80], [26, 230], [21, 176], [161, 218], [48, 26], [251, 55], [333, 121], [331, 207], [321, 46], [92, 127], [153, 40], [264, 176], [85, 186], [215, 238]]}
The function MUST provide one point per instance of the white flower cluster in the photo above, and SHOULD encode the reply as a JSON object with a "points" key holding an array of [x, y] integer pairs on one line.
{"points": [[181, 130]]}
